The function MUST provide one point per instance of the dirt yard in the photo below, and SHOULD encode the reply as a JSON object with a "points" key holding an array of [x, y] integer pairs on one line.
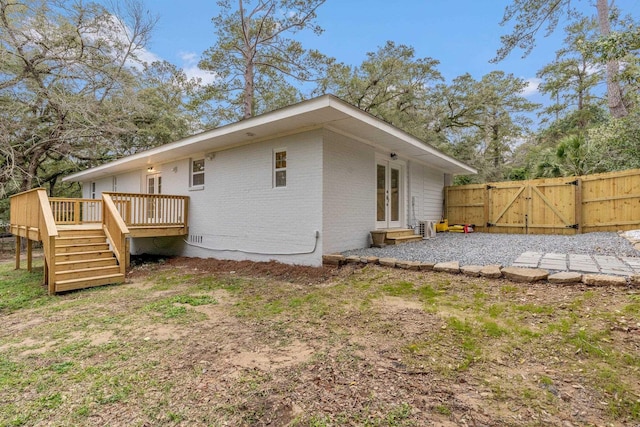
{"points": [[191, 342]]}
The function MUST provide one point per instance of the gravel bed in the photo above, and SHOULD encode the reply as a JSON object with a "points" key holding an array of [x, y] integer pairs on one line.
{"points": [[503, 249]]}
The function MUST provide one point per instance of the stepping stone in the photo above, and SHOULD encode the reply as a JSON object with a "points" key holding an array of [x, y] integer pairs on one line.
{"points": [[471, 270], [612, 265], [491, 271], [552, 255], [635, 279], [565, 277], [352, 259], [333, 259], [603, 280], [408, 265], [633, 262], [584, 263], [388, 262], [552, 261], [369, 260], [427, 266], [528, 275], [528, 259], [448, 267]]}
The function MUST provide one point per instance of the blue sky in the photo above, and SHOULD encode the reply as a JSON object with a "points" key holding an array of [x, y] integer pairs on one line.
{"points": [[462, 34]]}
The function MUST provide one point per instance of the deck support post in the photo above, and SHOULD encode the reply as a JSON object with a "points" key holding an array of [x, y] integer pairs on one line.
{"points": [[18, 244], [127, 252], [46, 273], [29, 254]]}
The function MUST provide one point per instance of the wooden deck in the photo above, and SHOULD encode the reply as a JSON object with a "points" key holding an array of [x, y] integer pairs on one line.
{"points": [[86, 241]]}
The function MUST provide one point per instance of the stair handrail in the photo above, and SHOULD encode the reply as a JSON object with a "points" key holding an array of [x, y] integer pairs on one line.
{"points": [[48, 234], [116, 230], [30, 211]]}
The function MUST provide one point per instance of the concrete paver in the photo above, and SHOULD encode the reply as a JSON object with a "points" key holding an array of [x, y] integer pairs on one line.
{"points": [[634, 263], [528, 260], [602, 264]]}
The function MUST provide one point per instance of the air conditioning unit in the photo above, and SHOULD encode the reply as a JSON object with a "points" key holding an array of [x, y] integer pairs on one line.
{"points": [[427, 229]]}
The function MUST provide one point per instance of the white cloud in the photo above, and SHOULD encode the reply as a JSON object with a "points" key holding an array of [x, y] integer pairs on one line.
{"points": [[188, 57], [532, 86], [147, 57], [190, 68]]}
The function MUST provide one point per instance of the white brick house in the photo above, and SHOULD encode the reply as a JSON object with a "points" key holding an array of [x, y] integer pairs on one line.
{"points": [[289, 185]]}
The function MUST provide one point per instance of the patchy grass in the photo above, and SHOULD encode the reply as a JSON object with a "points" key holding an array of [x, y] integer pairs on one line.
{"points": [[190, 344], [20, 289]]}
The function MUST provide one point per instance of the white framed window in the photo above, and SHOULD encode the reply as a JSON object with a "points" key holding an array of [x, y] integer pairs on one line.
{"points": [[93, 190], [280, 167], [196, 179], [114, 184]]}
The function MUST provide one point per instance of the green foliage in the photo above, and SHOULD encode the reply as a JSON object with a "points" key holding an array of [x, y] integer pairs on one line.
{"points": [[618, 142], [573, 75], [573, 156], [483, 120], [255, 62], [391, 83], [75, 92]]}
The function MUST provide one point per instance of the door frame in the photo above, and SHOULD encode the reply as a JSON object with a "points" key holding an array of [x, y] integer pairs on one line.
{"points": [[157, 179], [401, 166], [153, 208]]}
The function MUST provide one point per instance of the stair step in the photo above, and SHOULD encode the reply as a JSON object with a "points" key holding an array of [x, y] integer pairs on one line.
{"points": [[401, 232], [402, 239], [87, 282], [87, 272], [73, 256], [81, 232], [81, 247], [85, 263], [72, 240]]}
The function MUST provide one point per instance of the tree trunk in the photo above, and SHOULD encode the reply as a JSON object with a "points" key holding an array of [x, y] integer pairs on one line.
{"points": [[248, 52], [248, 90], [614, 91]]}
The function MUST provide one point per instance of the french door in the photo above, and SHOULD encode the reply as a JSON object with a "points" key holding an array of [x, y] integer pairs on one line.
{"points": [[389, 193], [154, 186]]}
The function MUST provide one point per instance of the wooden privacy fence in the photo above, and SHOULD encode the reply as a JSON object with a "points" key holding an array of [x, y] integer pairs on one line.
{"points": [[570, 205]]}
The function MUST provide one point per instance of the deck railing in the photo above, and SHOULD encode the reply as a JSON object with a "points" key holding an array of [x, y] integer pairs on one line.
{"points": [[116, 231], [34, 216], [31, 217], [142, 210], [76, 211]]}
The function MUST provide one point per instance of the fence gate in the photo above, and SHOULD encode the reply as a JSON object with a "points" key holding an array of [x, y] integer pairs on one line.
{"points": [[533, 207]]}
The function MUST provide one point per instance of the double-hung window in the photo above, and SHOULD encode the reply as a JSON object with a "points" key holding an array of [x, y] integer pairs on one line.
{"points": [[280, 168], [197, 173]]}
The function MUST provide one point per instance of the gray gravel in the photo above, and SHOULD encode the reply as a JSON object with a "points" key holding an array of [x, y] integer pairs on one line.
{"points": [[485, 248]]}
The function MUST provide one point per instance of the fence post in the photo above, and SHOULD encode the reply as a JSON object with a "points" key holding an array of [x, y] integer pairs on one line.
{"points": [[578, 203], [487, 201], [529, 207]]}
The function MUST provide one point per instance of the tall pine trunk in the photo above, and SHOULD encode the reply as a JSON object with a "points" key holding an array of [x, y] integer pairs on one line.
{"points": [[614, 91]]}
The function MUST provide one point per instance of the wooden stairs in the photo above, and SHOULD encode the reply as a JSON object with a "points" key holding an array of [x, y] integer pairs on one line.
{"points": [[396, 236], [83, 259]]}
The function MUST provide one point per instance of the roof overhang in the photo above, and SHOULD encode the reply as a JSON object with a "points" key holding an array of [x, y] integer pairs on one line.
{"points": [[326, 111]]}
